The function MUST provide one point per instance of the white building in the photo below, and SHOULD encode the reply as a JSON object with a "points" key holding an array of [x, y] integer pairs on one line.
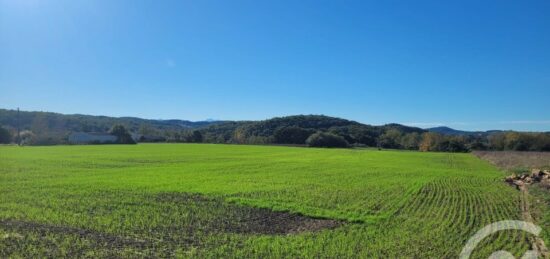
{"points": [[90, 138]]}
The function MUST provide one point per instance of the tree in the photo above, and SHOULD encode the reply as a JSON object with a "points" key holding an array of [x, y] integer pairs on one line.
{"points": [[5, 136], [430, 141], [478, 145], [291, 135], [26, 137], [443, 143], [123, 136], [322, 139], [194, 137], [411, 141], [497, 141], [451, 144], [363, 135], [147, 130], [391, 139], [512, 140], [542, 142]]}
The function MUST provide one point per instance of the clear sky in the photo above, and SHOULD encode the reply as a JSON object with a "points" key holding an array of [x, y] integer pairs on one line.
{"points": [[466, 64]]}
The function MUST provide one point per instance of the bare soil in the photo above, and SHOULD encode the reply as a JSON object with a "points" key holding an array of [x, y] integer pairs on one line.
{"points": [[42, 229], [240, 219]]}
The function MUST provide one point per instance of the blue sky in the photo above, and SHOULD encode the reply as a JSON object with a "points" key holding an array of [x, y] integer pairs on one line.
{"points": [[466, 64]]}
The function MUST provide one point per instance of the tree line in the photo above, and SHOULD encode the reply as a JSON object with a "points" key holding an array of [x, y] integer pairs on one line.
{"points": [[37, 128], [322, 131]]}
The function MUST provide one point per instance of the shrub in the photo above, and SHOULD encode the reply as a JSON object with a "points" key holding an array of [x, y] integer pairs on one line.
{"points": [[322, 139]]}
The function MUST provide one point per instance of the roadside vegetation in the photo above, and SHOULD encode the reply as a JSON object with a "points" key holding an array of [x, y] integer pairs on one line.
{"points": [[205, 201]]}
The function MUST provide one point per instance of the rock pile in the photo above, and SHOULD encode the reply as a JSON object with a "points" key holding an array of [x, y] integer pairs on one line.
{"points": [[536, 176]]}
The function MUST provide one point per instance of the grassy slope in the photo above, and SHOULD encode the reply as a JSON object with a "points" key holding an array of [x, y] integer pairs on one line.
{"points": [[407, 204]]}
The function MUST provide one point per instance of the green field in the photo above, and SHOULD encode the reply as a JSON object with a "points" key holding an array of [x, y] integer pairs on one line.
{"points": [[201, 200]]}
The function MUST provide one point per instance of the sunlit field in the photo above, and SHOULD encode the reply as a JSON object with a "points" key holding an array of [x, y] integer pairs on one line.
{"points": [[202, 200]]}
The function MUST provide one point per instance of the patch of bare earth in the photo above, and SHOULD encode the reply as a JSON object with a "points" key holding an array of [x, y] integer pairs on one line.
{"points": [[234, 218], [43, 229]]}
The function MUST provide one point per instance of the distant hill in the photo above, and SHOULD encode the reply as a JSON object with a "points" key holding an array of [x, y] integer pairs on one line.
{"points": [[450, 131], [57, 125], [284, 130], [48, 128], [51, 128]]}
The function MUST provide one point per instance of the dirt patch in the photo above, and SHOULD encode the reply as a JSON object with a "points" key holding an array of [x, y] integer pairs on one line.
{"points": [[234, 218], [264, 221], [42, 229]]}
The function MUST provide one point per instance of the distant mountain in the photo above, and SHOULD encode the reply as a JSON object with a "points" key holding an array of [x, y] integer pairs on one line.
{"points": [[450, 131]]}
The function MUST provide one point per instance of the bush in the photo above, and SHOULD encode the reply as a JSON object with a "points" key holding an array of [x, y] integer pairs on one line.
{"points": [[322, 139]]}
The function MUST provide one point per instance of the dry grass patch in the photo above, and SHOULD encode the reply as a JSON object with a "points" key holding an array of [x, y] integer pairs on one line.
{"points": [[516, 160]]}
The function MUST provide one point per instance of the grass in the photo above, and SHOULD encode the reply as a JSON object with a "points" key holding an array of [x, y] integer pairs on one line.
{"points": [[110, 200]]}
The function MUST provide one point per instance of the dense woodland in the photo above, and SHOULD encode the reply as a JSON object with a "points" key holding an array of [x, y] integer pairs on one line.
{"points": [[48, 128], [42, 128]]}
